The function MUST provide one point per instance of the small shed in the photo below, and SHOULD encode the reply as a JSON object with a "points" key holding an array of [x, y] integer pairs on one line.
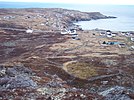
{"points": [[114, 34], [122, 45], [74, 35], [102, 33], [132, 39], [64, 32], [72, 31], [127, 34], [131, 33], [29, 31], [109, 35], [75, 38], [132, 47]]}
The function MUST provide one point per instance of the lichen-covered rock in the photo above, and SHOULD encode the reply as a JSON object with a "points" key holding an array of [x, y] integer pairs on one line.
{"points": [[116, 93], [17, 70], [16, 77], [4, 81], [21, 82]]}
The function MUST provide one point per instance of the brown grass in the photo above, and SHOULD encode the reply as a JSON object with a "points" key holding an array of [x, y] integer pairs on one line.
{"points": [[80, 69]]}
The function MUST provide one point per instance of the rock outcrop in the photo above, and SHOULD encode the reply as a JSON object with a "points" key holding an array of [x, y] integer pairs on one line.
{"points": [[16, 77]]}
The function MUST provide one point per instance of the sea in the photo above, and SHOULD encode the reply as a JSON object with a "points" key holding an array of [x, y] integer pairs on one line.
{"points": [[123, 22]]}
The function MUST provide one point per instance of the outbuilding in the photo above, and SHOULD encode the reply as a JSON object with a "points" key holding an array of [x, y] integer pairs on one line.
{"points": [[72, 31], [29, 31], [132, 39]]}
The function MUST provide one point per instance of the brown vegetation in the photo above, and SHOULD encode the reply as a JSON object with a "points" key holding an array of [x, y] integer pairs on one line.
{"points": [[80, 70]]}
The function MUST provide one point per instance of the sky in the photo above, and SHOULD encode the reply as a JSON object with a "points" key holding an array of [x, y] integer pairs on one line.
{"points": [[115, 2]]}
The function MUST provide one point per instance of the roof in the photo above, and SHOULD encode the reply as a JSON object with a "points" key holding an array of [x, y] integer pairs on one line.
{"points": [[29, 31]]}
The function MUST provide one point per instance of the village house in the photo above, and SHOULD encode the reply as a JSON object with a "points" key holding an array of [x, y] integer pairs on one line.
{"points": [[64, 32], [74, 35], [42, 24], [132, 39], [108, 31], [109, 35], [72, 31], [104, 43], [102, 33], [132, 47], [75, 38], [122, 45], [110, 43], [131, 34], [123, 33], [114, 34], [127, 34], [29, 31]]}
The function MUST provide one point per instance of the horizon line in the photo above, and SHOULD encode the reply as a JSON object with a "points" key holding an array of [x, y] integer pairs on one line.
{"points": [[64, 3]]}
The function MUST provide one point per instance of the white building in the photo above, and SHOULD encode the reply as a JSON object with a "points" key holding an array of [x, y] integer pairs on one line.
{"points": [[127, 34], [132, 39], [114, 34], [109, 35], [122, 45], [131, 34], [132, 47], [72, 31], [42, 24], [123, 33], [29, 31], [102, 33], [65, 32]]}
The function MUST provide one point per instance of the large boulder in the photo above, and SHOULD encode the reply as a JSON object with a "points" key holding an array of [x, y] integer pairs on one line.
{"points": [[21, 82], [116, 93]]}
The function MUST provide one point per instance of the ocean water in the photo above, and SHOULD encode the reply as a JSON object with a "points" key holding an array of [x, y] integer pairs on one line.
{"points": [[123, 22]]}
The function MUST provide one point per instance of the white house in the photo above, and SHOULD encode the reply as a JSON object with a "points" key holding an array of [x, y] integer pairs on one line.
{"points": [[127, 34], [102, 33], [113, 34], [42, 24], [74, 35], [132, 39], [29, 31], [123, 33], [65, 32], [131, 34], [109, 35], [75, 38], [122, 45], [72, 31], [132, 47]]}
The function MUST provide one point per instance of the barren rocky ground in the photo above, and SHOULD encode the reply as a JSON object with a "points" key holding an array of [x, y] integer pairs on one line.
{"points": [[45, 65]]}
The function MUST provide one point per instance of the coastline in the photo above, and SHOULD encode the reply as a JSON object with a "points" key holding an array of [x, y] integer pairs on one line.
{"points": [[38, 62], [65, 18]]}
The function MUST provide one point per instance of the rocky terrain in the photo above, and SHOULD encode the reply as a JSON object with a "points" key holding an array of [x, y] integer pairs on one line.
{"points": [[45, 19], [46, 65]]}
